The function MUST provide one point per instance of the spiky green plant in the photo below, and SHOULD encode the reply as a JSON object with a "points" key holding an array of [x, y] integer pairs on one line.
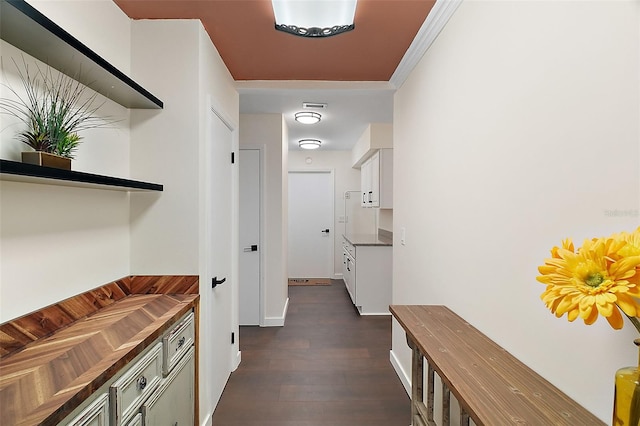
{"points": [[54, 107]]}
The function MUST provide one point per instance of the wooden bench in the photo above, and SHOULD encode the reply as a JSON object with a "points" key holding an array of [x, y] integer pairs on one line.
{"points": [[491, 385]]}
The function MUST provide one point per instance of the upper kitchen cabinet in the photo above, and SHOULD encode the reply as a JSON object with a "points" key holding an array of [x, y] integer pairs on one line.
{"points": [[376, 179], [373, 155], [26, 28]]}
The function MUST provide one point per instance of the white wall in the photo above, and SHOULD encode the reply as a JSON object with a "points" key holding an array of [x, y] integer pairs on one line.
{"points": [[89, 21], [165, 226], [269, 131], [170, 231], [56, 242], [519, 127], [346, 179]]}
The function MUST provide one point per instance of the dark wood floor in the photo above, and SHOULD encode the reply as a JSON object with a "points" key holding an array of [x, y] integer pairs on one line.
{"points": [[326, 366]]}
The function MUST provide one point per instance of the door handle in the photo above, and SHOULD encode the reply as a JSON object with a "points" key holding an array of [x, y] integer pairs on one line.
{"points": [[253, 247], [215, 282], [325, 231]]}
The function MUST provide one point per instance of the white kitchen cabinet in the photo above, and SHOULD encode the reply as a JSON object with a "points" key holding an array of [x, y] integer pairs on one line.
{"points": [[367, 273], [172, 403], [376, 180], [96, 414]]}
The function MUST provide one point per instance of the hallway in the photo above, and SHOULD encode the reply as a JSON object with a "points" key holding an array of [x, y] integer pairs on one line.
{"points": [[327, 366]]}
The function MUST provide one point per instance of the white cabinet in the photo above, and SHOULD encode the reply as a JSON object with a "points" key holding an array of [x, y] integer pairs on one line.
{"points": [[155, 388], [135, 386], [349, 269], [367, 274], [96, 414], [172, 403], [376, 180]]}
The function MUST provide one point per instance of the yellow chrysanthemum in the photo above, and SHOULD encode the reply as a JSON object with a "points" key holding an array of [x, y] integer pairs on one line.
{"points": [[595, 280]]}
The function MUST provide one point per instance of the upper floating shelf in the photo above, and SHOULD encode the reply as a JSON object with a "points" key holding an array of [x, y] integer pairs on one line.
{"points": [[29, 173], [30, 31]]}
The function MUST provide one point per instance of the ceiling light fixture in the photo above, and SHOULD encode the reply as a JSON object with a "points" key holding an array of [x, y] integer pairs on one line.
{"points": [[314, 18], [309, 143], [307, 117]]}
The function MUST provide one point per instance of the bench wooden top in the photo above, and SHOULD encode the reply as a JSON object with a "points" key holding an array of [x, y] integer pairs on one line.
{"points": [[493, 386]]}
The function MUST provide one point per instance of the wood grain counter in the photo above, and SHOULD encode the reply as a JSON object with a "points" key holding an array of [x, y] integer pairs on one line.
{"points": [[49, 378], [491, 385]]}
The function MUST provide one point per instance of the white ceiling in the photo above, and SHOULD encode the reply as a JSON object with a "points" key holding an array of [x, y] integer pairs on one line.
{"points": [[351, 106]]}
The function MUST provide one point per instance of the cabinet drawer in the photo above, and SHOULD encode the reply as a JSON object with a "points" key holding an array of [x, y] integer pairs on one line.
{"points": [[136, 384], [177, 342], [96, 414], [350, 248]]}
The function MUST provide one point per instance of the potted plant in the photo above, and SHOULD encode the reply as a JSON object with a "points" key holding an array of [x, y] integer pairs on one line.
{"points": [[55, 108]]}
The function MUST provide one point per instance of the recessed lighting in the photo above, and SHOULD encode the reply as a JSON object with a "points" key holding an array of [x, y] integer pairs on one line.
{"points": [[309, 143], [307, 117]]}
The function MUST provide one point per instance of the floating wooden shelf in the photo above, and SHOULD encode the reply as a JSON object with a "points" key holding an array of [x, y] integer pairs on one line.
{"points": [[21, 172], [30, 31]]}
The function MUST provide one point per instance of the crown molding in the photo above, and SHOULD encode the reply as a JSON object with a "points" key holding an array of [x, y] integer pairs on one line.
{"points": [[438, 17]]}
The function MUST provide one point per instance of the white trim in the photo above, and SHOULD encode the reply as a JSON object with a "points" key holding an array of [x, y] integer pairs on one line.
{"points": [[438, 17], [277, 321], [227, 120], [236, 361], [208, 421], [364, 314], [402, 375]]}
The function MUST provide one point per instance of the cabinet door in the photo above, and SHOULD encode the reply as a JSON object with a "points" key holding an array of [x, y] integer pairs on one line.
{"points": [[96, 414], [173, 402], [374, 185], [365, 182]]}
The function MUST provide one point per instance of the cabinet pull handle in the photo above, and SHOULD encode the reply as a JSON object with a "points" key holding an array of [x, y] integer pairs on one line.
{"points": [[141, 383], [181, 342]]}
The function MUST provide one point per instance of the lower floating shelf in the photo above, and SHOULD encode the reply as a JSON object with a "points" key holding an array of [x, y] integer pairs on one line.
{"points": [[21, 172]]}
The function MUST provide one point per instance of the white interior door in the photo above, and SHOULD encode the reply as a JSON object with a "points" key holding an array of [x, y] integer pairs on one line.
{"points": [[220, 205], [310, 224], [250, 246]]}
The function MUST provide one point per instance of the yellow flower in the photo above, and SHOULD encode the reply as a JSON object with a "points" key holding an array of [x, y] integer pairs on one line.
{"points": [[598, 279], [632, 248]]}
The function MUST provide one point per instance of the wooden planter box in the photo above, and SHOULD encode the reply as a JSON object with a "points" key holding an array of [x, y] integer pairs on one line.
{"points": [[40, 158]]}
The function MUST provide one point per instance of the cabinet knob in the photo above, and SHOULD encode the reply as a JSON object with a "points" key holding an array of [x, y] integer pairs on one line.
{"points": [[142, 383], [181, 342]]}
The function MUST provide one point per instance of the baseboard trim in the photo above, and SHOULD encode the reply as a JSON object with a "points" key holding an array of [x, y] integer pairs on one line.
{"points": [[208, 421], [402, 375], [276, 321], [236, 361]]}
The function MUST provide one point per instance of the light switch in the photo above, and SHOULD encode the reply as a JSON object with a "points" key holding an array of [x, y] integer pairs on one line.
{"points": [[403, 236]]}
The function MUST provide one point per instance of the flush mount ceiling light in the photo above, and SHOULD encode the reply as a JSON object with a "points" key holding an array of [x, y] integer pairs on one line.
{"points": [[314, 18], [309, 143], [307, 117]]}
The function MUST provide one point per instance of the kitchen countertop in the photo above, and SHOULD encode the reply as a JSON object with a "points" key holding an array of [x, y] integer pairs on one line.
{"points": [[49, 378], [368, 240]]}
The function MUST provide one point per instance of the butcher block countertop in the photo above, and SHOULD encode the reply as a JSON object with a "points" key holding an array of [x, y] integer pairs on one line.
{"points": [[49, 378]]}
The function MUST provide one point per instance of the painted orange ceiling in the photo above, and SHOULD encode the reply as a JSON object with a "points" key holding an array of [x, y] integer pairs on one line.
{"points": [[243, 32]]}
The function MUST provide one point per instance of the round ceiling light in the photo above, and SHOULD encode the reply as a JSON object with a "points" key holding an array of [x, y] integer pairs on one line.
{"points": [[308, 117], [309, 143]]}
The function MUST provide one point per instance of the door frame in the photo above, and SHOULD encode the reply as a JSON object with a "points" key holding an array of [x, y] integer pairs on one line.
{"points": [[332, 174], [262, 234]]}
